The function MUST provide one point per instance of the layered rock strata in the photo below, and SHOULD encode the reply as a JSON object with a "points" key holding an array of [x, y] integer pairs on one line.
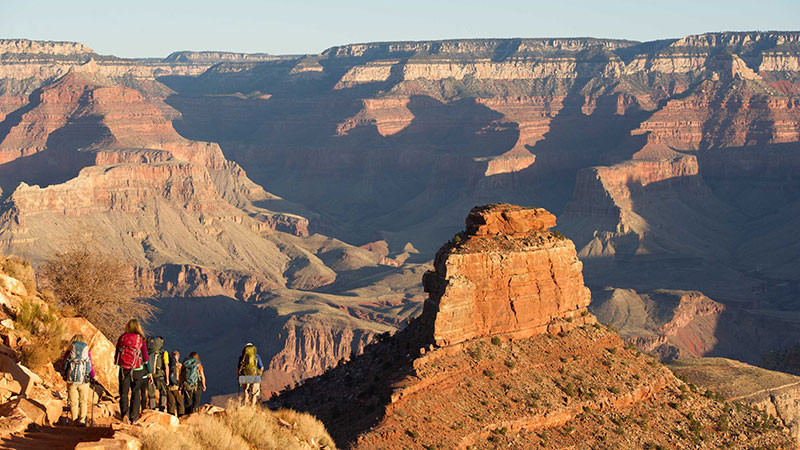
{"points": [[506, 275]]}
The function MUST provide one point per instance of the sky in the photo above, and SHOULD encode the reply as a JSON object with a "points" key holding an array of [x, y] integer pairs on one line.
{"points": [[146, 28]]}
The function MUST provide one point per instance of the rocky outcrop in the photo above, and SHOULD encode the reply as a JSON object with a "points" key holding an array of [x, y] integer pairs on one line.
{"points": [[669, 324], [456, 381], [506, 275], [89, 111], [311, 346], [171, 280]]}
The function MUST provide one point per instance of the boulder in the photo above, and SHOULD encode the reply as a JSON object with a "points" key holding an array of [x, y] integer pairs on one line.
{"points": [[48, 402], [17, 375], [20, 413], [502, 218], [120, 441], [153, 417], [13, 285], [14, 419]]}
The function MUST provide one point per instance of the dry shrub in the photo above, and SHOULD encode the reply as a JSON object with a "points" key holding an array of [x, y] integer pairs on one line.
{"points": [[96, 286], [163, 440], [21, 269], [251, 424], [243, 427], [308, 427], [212, 433], [45, 334]]}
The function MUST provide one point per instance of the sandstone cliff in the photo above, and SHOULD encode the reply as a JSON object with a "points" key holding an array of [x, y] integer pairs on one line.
{"points": [[506, 275]]}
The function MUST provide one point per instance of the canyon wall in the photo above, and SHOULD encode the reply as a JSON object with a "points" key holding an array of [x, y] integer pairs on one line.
{"points": [[254, 177]]}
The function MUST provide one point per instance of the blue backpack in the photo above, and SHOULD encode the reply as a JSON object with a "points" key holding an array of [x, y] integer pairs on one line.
{"points": [[78, 366], [192, 374]]}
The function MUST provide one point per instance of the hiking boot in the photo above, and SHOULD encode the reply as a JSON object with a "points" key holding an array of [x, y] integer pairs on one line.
{"points": [[80, 424]]}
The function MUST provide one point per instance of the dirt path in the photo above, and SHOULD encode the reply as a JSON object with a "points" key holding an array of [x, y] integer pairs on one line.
{"points": [[55, 438]]}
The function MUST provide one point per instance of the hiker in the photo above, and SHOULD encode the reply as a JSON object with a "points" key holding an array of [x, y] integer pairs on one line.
{"points": [[79, 375], [160, 366], [249, 372], [145, 393], [134, 370], [175, 405], [192, 379]]}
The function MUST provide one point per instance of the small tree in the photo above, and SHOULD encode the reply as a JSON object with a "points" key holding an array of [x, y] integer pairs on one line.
{"points": [[97, 286]]}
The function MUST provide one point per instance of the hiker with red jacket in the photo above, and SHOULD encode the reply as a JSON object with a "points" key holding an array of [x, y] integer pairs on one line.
{"points": [[134, 370]]}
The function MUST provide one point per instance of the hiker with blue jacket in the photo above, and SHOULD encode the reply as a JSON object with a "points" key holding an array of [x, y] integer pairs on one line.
{"points": [[79, 375], [249, 372], [192, 380]]}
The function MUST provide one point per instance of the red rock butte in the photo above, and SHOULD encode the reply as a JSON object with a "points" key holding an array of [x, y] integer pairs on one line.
{"points": [[506, 275]]}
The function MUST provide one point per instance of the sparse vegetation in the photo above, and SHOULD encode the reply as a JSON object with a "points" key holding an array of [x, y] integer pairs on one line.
{"points": [[495, 340], [21, 269], [40, 325], [243, 427], [475, 352], [97, 286]]}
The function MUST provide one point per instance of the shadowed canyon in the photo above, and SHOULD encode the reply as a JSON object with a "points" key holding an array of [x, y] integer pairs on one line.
{"points": [[296, 201]]}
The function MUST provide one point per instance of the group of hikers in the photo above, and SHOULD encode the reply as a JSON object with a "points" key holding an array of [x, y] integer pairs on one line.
{"points": [[150, 377]]}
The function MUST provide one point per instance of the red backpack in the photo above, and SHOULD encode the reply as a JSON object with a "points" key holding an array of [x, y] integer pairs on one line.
{"points": [[129, 355]]}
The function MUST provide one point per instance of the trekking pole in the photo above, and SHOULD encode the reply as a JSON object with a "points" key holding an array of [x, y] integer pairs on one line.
{"points": [[91, 421]]}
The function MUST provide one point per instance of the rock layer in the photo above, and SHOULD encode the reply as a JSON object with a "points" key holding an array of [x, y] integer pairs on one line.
{"points": [[506, 275]]}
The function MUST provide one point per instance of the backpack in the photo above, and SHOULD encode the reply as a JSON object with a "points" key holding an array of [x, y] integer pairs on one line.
{"points": [[77, 366], [155, 349], [174, 371], [249, 364], [129, 355], [192, 374]]}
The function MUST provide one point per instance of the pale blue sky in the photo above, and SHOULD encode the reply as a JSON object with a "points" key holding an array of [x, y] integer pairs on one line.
{"points": [[156, 28]]}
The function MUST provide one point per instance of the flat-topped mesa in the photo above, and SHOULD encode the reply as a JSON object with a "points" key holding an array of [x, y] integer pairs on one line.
{"points": [[506, 275], [27, 46]]}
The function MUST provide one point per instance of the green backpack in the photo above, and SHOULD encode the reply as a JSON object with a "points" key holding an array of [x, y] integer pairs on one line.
{"points": [[157, 357], [249, 365]]}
